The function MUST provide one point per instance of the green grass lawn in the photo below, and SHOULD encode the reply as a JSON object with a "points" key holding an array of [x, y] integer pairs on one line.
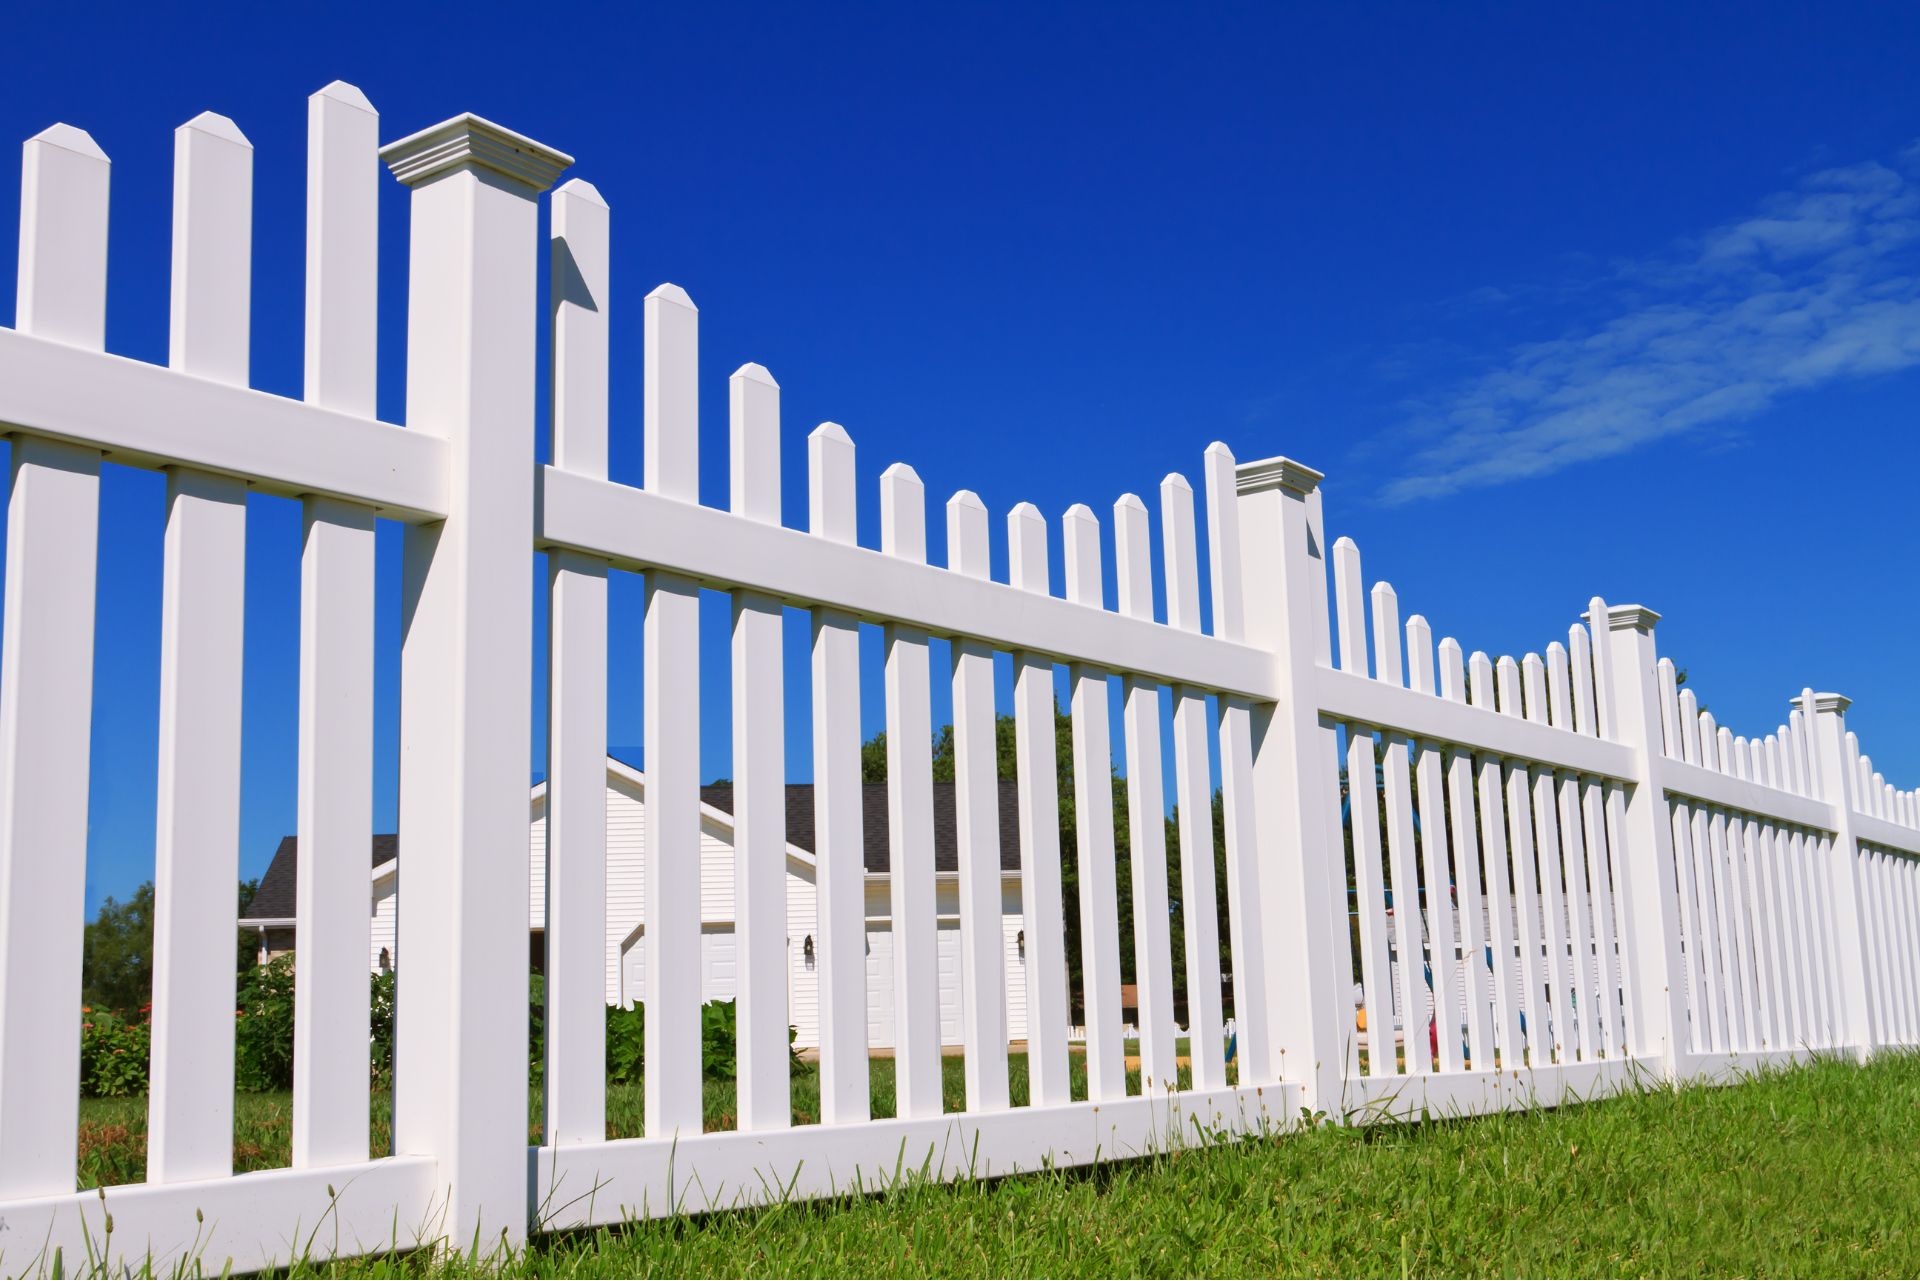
{"points": [[113, 1132], [1812, 1171]]}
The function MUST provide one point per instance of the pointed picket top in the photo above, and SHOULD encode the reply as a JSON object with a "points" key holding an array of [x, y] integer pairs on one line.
{"points": [[671, 293], [1507, 679], [71, 138], [1132, 557], [1580, 662], [1419, 655], [343, 251], [1480, 669], [1668, 682], [670, 399], [1223, 543], [62, 289], [210, 318], [1350, 606], [1180, 553], [753, 434], [1453, 686], [903, 513], [1386, 635], [1080, 540], [1534, 677], [833, 500], [968, 548], [581, 189], [1597, 614], [1027, 549], [1559, 694], [580, 235], [215, 125], [342, 92]]}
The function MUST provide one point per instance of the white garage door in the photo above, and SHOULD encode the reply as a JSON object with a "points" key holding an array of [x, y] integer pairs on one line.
{"points": [[880, 983], [719, 972]]}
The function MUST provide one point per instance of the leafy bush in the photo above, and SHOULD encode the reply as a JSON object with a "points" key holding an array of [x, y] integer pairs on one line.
{"points": [[719, 1028], [263, 1030], [381, 1034], [113, 1053], [114, 1047], [626, 1041]]}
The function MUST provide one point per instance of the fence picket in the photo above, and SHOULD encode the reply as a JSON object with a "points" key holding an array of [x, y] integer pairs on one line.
{"points": [[1093, 828], [1146, 833], [976, 788], [1535, 1028], [1414, 1005], [1499, 883], [1545, 866], [765, 1099], [1599, 876], [1363, 818], [334, 818], [1245, 872], [672, 728], [840, 931], [1475, 946], [197, 849], [916, 956], [46, 681], [1581, 993], [575, 1091], [1438, 916], [1199, 895], [1036, 752]]}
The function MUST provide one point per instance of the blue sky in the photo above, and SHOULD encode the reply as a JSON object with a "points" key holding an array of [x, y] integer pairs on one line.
{"points": [[1625, 305]]}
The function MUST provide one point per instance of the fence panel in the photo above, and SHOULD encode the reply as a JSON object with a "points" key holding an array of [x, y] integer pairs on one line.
{"points": [[1548, 875]]}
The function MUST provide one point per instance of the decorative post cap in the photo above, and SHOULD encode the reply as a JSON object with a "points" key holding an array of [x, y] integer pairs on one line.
{"points": [[1626, 618], [469, 142], [1276, 473], [1830, 702]]}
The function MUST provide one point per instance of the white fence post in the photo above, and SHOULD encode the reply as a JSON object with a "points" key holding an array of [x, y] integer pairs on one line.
{"points": [[1641, 834], [1834, 782], [465, 709], [1303, 865]]}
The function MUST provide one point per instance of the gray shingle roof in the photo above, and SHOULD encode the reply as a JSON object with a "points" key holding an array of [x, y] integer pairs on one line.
{"points": [[276, 897]]}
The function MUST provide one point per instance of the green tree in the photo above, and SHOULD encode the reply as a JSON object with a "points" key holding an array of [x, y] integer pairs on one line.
{"points": [[117, 964], [117, 951]]}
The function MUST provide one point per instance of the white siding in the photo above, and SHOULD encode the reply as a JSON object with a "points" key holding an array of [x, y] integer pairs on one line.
{"points": [[626, 910], [383, 932]]}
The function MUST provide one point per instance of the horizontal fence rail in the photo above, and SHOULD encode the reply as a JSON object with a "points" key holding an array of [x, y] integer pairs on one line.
{"points": [[1445, 881]]}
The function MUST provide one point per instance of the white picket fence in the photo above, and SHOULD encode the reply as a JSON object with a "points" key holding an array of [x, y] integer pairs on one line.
{"points": [[1592, 881]]}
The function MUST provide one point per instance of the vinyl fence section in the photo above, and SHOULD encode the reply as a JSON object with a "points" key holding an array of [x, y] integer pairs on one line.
{"points": [[1453, 882]]}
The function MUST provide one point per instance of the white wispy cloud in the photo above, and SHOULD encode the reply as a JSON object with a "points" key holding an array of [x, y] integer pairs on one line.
{"points": [[1820, 283]]}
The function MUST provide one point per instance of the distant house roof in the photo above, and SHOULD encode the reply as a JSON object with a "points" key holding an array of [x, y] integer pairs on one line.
{"points": [[275, 899]]}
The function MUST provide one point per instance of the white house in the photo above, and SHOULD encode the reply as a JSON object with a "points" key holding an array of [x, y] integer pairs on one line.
{"points": [[272, 910]]}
